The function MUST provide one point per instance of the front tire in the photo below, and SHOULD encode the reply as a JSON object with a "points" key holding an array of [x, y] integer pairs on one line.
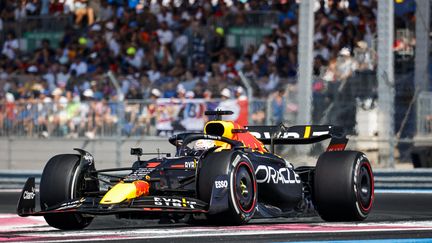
{"points": [[61, 180], [242, 193], [343, 186]]}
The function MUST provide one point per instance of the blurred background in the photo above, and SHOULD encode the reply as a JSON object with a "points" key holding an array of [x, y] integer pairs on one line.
{"points": [[107, 75]]}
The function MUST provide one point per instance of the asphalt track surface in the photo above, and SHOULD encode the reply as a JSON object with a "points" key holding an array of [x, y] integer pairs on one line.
{"points": [[397, 216]]}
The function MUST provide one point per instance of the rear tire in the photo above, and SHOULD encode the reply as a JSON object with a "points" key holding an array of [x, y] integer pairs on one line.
{"points": [[343, 186], [61, 180]]}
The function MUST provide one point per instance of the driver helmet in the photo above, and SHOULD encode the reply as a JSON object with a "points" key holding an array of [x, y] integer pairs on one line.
{"points": [[203, 144]]}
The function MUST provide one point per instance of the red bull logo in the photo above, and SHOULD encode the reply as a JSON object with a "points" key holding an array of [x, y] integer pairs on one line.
{"points": [[142, 188]]}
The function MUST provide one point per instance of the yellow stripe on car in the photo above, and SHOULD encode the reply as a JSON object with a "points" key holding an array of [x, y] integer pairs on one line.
{"points": [[307, 132]]}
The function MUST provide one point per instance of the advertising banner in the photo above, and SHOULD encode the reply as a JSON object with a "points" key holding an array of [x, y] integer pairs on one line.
{"points": [[175, 116]]}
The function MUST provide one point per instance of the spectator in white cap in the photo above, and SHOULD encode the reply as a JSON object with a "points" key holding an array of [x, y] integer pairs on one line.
{"points": [[346, 65], [10, 98], [365, 56], [155, 93], [32, 69], [149, 112], [88, 93], [229, 104], [243, 103], [56, 93], [240, 93], [344, 52], [226, 93], [190, 94], [181, 91]]}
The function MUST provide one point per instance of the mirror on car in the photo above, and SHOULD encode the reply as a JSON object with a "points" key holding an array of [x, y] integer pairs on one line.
{"points": [[136, 151]]}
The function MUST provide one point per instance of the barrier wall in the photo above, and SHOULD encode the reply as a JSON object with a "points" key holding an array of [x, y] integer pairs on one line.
{"points": [[33, 153]]}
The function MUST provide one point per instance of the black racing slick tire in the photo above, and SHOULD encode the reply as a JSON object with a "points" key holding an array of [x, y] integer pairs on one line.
{"points": [[60, 181], [242, 193], [343, 186]]}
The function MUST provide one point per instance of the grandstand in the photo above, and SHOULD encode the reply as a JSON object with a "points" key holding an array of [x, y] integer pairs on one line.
{"points": [[55, 56]]}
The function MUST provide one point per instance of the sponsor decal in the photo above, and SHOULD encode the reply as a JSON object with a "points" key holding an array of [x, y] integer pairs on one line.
{"points": [[286, 135], [89, 158], [139, 174], [68, 206], [268, 174], [236, 160], [258, 135], [189, 164], [174, 202], [336, 147], [316, 134], [72, 204], [221, 184], [29, 195], [152, 164], [213, 137], [357, 171], [307, 132]]}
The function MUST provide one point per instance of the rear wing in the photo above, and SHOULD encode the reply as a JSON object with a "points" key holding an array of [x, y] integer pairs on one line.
{"points": [[306, 134]]}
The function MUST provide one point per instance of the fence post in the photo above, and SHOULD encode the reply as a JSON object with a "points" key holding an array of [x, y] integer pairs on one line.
{"points": [[421, 76], [120, 114], [386, 84], [9, 152], [422, 45], [269, 112], [249, 90], [120, 122], [305, 60]]}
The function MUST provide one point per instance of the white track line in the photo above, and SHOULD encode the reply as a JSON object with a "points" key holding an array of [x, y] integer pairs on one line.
{"points": [[169, 233], [380, 191], [136, 235]]}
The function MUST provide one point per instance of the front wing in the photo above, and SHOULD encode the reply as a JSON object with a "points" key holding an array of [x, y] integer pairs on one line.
{"points": [[91, 206]]}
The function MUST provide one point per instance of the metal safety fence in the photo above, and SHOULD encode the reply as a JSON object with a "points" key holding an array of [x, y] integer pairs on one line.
{"points": [[353, 104], [131, 118]]}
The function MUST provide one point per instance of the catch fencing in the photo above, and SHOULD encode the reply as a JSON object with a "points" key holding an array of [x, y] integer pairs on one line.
{"points": [[352, 104], [106, 119]]}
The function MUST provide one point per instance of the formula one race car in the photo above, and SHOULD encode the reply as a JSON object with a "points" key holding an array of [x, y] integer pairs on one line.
{"points": [[225, 175]]}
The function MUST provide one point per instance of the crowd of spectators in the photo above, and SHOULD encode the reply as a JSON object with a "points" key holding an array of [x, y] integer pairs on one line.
{"points": [[149, 45]]}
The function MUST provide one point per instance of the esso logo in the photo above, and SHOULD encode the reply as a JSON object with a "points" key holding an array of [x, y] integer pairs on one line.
{"points": [[221, 184]]}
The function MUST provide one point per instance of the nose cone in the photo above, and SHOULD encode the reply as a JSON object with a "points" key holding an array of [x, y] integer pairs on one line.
{"points": [[125, 191]]}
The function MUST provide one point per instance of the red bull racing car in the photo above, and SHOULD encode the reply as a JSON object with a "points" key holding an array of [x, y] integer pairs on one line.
{"points": [[225, 175]]}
